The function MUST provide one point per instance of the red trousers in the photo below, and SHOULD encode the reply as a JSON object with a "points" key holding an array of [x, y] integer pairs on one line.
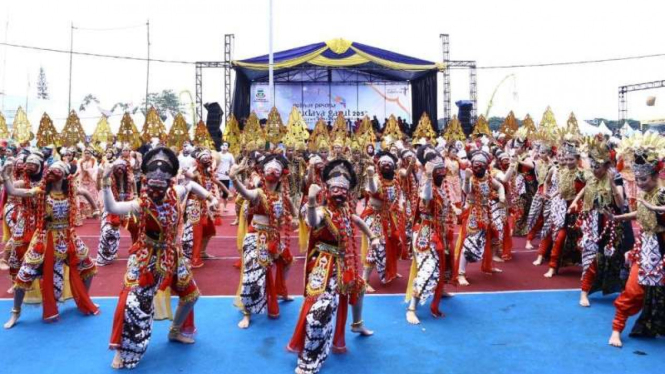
{"points": [[630, 301], [546, 244], [534, 230], [589, 277]]}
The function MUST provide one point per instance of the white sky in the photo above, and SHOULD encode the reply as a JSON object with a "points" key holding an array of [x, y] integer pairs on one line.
{"points": [[490, 32]]}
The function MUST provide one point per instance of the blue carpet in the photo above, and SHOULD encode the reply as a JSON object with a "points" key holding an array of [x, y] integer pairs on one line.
{"points": [[535, 332]]}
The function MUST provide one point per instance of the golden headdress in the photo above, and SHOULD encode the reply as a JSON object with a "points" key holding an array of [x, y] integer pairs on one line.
{"points": [[339, 128], [102, 133], [296, 130], [547, 128], [571, 125], [275, 129], [253, 131], [232, 135], [4, 132], [528, 125], [322, 144], [46, 134], [153, 127], [319, 134], [365, 132], [179, 133], [649, 149], [482, 127], [392, 128], [424, 128], [128, 133], [509, 126], [73, 133], [22, 130], [453, 131], [597, 149], [202, 137]]}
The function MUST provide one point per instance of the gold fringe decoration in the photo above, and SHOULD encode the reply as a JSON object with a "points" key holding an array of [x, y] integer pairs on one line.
{"points": [[509, 126], [102, 134], [320, 136], [232, 135], [296, 130], [424, 129], [392, 129], [571, 125], [275, 128], [128, 133], [481, 127], [529, 125], [253, 132], [453, 131], [365, 133], [22, 130], [73, 133], [153, 127]]}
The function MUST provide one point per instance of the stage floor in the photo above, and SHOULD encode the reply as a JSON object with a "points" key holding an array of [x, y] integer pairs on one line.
{"points": [[502, 332]]}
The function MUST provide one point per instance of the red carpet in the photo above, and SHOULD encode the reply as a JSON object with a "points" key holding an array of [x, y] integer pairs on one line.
{"points": [[219, 277]]}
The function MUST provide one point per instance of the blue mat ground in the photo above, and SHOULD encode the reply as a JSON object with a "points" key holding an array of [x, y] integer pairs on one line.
{"points": [[523, 332]]}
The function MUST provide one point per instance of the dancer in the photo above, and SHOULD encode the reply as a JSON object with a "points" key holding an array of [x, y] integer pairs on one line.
{"points": [[88, 180], [409, 186], [269, 209], [539, 211], [645, 289], [122, 188], [480, 230], [332, 276], [155, 259], [383, 215], [603, 244], [503, 172], [54, 244], [432, 249]]}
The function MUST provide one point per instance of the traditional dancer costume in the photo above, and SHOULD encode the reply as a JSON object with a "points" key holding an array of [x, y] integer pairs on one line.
{"points": [[504, 172], [645, 288], [539, 211], [432, 249], [383, 215], [155, 259], [481, 223], [269, 210], [409, 187], [88, 180], [332, 277], [54, 245]]}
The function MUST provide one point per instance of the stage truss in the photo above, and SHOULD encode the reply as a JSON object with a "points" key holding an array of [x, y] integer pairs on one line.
{"points": [[623, 96]]}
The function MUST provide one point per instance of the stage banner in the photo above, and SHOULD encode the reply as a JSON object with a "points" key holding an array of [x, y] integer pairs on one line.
{"points": [[316, 100]]}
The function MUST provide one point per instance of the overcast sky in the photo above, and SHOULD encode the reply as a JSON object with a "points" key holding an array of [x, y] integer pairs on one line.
{"points": [[491, 32]]}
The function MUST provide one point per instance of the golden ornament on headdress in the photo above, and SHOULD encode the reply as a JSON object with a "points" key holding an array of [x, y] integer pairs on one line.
{"points": [[548, 121], [481, 127], [392, 128], [4, 132], [319, 134], [296, 130], [387, 142], [46, 134], [250, 146], [232, 135], [528, 125], [365, 133], [275, 129], [596, 148], [73, 133], [202, 137], [102, 133], [153, 127], [22, 130], [322, 144], [253, 131], [354, 144], [128, 133], [339, 128], [651, 146], [571, 125], [453, 131], [509, 125], [179, 133], [424, 128]]}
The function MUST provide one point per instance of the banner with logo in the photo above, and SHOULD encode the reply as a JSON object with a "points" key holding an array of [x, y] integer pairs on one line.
{"points": [[316, 100]]}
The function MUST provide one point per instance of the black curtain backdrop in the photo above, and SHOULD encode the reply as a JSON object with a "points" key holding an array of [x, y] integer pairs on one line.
{"points": [[241, 96], [424, 99]]}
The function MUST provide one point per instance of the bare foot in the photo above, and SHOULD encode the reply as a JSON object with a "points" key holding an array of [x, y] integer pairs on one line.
{"points": [[234, 223], [244, 322], [4, 265], [528, 245], [10, 290], [13, 319], [362, 330], [179, 337], [615, 339], [497, 270], [461, 279], [549, 274], [538, 261], [497, 259], [368, 288], [399, 275], [584, 299], [117, 362], [412, 318]]}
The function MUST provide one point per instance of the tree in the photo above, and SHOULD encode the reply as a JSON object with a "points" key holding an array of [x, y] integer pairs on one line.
{"points": [[42, 85], [165, 102], [87, 100]]}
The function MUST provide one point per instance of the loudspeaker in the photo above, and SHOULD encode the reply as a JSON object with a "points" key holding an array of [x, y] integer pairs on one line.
{"points": [[464, 115], [214, 121]]}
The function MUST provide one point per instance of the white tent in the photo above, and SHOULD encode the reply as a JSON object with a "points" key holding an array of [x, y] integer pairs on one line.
{"points": [[603, 129], [626, 130], [588, 129]]}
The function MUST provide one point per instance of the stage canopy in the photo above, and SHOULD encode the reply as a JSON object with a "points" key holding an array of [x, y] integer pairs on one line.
{"points": [[340, 61]]}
